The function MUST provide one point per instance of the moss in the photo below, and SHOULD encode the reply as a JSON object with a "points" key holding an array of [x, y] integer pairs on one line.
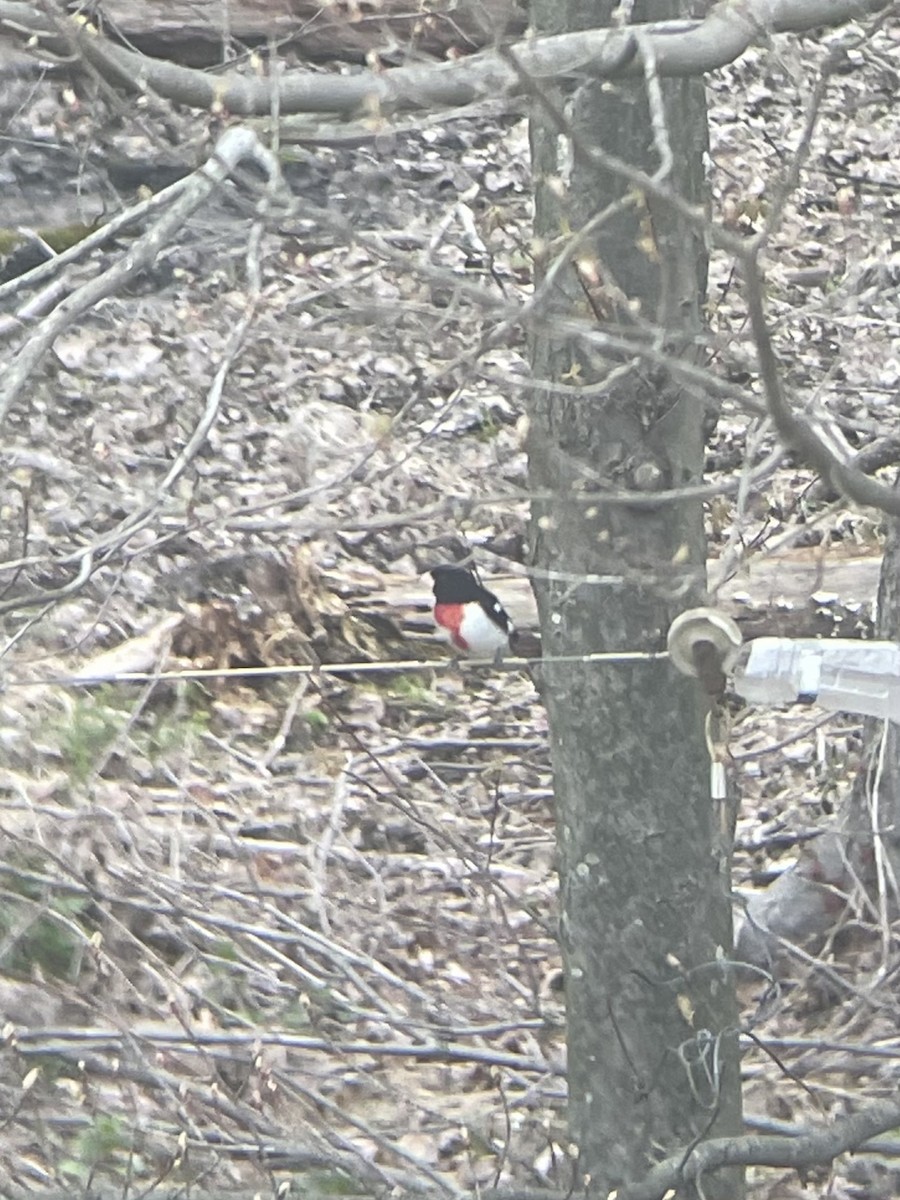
{"points": [[58, 238]]}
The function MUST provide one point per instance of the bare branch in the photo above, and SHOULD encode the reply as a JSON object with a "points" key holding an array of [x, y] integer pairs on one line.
{"points": [[883, 452], [71, 1043], [813, 1148], [799, 432], [678, 47], [233, 147]]}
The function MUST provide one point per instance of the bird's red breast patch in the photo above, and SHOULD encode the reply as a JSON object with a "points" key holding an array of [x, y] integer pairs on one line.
{"points": [[450, 617]]}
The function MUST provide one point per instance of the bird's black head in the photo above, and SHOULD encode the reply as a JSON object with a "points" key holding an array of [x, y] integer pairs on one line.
{"points": [[455, 585]]}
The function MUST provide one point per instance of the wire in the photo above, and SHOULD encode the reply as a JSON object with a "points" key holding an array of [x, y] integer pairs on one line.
{"points": [[345, 668]]}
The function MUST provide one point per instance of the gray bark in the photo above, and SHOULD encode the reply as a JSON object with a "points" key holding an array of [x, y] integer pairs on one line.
{"points": [[644, 859], [197, 32], [685, 49]]}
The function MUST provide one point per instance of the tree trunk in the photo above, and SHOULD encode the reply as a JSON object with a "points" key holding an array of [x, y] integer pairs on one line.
{"points": [[644, 856]]}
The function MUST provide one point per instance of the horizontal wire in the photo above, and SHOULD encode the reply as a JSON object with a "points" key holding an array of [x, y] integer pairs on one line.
{"points": [[347, 668]]}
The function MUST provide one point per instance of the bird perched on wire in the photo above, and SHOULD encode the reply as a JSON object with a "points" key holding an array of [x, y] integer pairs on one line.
{"points": [[468, 616]]}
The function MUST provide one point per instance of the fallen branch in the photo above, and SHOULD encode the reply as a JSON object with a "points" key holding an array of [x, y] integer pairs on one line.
{"points": [[678, 48], [235, 146], [813, 1148]]}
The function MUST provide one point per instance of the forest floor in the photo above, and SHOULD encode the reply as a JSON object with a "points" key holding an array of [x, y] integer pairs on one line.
{"points": [[304, 925]]}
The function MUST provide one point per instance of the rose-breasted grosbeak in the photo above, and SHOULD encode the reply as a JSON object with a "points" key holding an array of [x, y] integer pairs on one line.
{"points": [[468, 616]]}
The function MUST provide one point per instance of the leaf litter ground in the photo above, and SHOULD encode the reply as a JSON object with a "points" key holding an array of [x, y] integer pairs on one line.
{"points": [[306, 926]]}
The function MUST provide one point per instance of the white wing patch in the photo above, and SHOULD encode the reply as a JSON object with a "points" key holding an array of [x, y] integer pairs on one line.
{"points": [[481, 633]]}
